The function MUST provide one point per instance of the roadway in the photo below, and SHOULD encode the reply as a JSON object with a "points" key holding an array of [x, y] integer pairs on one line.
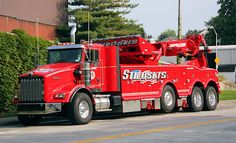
{"points": [[217, 126]]}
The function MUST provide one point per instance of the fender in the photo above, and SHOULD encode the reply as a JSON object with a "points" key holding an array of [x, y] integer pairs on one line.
{"points": [[205, 84], [217, 86], [192, 85], [76, 89], [166, 83]]}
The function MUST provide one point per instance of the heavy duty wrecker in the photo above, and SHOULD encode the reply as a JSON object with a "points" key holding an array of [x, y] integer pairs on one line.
{"points": [[118, 75]]}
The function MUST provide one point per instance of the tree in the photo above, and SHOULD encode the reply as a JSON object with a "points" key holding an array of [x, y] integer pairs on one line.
{"points": [[63, 33], [167, 34], [193, 32], [106, 19], [224, 23]]}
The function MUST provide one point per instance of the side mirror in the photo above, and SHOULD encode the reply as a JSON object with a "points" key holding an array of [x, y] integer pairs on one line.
{"points": [[77, 73]]}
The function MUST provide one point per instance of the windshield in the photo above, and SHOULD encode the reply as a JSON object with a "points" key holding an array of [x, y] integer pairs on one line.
{"points": [[64, 55]]}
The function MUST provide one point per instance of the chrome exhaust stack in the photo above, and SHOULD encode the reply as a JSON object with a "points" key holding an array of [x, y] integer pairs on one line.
{"points": [[72, 33], [87, 74]]}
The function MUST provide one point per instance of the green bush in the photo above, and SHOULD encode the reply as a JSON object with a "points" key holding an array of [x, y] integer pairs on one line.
{"points": [[17, 55]]}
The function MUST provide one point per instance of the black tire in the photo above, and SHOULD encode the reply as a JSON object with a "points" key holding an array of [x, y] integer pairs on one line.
{"points": [[211, 99], [196, 100], [29, 120], [80, 110], [168, 99]]}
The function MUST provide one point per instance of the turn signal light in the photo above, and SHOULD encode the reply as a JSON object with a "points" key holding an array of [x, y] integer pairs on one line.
{"points": [[60, 96]]}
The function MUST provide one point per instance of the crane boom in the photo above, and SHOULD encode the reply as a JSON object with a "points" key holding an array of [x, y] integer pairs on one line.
{"points": [[135, 49]]}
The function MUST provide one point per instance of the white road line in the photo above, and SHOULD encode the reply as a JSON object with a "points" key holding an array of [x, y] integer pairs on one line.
{"points": [[9, 132]]}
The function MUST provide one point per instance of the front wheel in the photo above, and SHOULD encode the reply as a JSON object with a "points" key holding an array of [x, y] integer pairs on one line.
{"points": [[29, 120], [196, 100], [211, 99], [168, 99], [80, 110]]}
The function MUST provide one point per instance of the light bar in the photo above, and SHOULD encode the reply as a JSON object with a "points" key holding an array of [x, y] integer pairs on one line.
{"points": [[115, 38]]}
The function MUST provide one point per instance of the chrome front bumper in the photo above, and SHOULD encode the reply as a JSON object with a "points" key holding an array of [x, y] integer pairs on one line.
{"points": [[38, 108]]}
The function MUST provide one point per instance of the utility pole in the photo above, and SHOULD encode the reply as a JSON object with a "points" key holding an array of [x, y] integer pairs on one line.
{"points": [[179, 20], [179, 27], [37, 33]]}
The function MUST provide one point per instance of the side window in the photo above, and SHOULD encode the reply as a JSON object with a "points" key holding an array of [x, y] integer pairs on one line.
{"points": [[93, 55]]}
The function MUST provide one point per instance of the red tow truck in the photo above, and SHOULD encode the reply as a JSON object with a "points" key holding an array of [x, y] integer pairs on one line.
{"points": [[118, 75]]}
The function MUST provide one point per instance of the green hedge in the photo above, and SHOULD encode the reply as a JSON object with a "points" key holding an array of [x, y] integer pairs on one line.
{"points": [[17, 55]]}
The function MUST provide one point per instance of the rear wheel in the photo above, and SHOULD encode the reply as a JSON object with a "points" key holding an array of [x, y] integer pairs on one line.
{"points": [[196, 100], [211, 98], [168, 99], [80, 110], [29, 120]]}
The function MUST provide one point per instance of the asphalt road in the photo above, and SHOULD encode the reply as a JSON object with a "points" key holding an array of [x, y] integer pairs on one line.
{"points": [[217, 126]]}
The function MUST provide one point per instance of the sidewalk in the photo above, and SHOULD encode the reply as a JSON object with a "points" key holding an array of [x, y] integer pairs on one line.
{"points": [[226, 104], [8, 121]]}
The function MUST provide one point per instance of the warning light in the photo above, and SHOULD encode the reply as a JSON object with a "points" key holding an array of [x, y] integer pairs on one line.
{"points": [[217, 60]]}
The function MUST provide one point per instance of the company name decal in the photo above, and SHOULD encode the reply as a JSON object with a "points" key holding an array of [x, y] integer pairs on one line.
{"points": [[120, 43], [143, 77], [178, 45]]}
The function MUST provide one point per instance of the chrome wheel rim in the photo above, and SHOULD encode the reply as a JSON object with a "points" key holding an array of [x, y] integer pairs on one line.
{"points": [[168, 98], [84, 109], [212, 98], [197, 99]]}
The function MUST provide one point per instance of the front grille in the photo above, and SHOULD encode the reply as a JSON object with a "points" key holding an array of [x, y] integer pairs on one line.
{"points": [[31, 89]]}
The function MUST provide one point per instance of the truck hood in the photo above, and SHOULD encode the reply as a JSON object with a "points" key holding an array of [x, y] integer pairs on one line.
{"points": [[50, 69]]}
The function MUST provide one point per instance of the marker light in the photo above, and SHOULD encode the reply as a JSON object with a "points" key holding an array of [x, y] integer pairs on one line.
{"points": [[60, 96]]}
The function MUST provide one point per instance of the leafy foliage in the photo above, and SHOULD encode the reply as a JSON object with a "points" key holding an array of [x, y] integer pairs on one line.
{"points": [[106, 19], [224, 23], [17, 55], [63, 33], [167, 34], [193, 32]]}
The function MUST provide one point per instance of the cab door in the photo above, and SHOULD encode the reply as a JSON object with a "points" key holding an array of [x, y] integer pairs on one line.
{"points": [[92, 56]]}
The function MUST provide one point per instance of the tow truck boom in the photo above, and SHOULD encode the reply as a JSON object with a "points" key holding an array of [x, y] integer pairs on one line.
{"points": [[135, 49]]}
